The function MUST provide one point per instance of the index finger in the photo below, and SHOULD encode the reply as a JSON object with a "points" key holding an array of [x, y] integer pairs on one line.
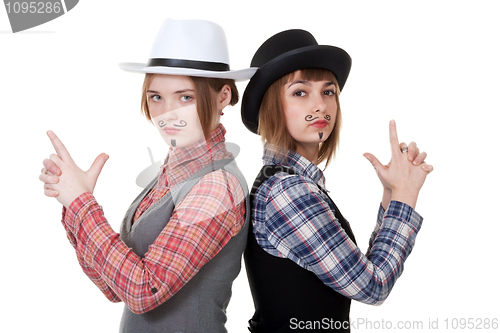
{"points": [[393, 138], [61, 150]]}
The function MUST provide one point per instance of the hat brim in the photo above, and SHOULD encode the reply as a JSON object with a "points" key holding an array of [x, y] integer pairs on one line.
{"points": [[237, 75], [326, 57]]}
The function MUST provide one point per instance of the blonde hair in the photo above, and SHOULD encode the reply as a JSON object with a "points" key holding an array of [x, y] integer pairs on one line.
{"points": [[272, 127], [206, 104]]}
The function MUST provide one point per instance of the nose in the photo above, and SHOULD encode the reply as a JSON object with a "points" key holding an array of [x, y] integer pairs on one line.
{"points": [[319, 104], [169, 113], [167, 118]]}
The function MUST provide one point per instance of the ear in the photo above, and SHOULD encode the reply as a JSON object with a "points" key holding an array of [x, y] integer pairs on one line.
{"points": [[224, 97]]}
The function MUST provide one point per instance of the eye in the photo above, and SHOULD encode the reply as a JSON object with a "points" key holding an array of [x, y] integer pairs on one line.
{"points": [[330, 92], [155, 98], [299, 93], [186, 98]]}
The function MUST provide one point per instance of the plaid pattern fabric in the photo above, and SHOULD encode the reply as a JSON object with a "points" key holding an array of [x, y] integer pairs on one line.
{"points": [[292, 219], [181, 163], [203, 222], [153, 196]]}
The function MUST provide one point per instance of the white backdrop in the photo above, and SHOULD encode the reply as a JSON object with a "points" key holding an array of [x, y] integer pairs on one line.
{"points": [[431, 65]]}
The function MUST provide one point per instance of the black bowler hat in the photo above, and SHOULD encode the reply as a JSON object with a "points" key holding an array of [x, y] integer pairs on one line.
{"points": [[285, 53]]}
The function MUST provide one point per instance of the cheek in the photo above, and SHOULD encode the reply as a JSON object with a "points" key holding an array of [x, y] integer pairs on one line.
{"points": [[293, 115], [296, 126], [193, 121], [290, 122], [331, 114], [333, 107], [153, 111], [193, 131]]}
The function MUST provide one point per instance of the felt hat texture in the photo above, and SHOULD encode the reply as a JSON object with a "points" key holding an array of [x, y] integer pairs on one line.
{"points": [[285, 53], [191, 48]]}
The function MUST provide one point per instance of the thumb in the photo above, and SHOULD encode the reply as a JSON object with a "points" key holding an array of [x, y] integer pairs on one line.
{"points": [[374, 161], [97, 166]]}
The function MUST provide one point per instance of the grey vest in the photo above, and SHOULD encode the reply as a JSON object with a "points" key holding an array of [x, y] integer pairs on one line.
{"points": [[200, 305]]}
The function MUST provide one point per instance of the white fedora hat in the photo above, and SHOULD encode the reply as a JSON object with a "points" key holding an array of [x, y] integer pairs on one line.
{"points": [[191, 48]]}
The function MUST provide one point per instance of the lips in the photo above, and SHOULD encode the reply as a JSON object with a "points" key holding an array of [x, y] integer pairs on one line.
{"points": [[320, 123], [171, 130]]}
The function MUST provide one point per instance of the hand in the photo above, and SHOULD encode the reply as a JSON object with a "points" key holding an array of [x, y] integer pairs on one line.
{"points": [[48, 176], [72, 181], [415, 156], [413, 153], [401, 177]]}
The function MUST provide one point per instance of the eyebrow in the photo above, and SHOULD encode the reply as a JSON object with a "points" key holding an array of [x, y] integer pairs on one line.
{"points": [[176, 92], [299, 81], [307, 83], [183, 91]]}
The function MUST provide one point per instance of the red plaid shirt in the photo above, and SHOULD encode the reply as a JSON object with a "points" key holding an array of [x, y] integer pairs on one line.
{"points": [[201, 224]]}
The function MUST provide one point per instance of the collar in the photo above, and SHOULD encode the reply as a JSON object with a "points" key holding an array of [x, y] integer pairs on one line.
{"points": [[301, 165], [182, 162]]}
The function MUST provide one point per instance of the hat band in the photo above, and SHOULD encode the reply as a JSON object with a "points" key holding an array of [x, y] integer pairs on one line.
{"points": [[193, 64]]}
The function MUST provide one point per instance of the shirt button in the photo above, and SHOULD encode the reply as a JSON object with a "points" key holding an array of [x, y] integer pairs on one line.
{"points": [[154, 290]]}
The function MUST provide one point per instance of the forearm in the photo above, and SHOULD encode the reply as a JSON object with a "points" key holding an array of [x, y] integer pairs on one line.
{"points": [[112, 265], [380, 217], [389, 251], [91, 273], [97, 279], [366, 278], [387, 197], [301, 226], [145, 283]]}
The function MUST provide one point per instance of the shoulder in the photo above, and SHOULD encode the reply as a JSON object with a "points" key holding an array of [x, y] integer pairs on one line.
{"points": [[289, 186], [216, 199], [290, 205], [286, 197], [217, 187], [217, 184]]}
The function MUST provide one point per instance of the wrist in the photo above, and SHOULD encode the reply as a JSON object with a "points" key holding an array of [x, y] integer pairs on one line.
{"points": [[386, 198], [406, 197]]}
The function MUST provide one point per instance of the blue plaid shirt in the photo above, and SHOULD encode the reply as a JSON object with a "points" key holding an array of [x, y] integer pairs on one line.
{"points": [[292, 219]]}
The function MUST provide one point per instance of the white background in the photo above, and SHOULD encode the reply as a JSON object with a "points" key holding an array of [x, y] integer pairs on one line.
{"points": [[431, 65]]}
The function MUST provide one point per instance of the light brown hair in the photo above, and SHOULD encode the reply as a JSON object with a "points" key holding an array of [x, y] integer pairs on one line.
{"points": [[206, 105], [272, 127]]}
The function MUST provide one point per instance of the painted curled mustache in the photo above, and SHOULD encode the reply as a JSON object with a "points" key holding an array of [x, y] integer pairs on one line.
{"points": [[183, 124], [162, 124], [311, 118]]}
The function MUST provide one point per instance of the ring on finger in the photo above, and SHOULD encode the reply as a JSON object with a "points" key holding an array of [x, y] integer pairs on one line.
{"points": [[404, 149]]}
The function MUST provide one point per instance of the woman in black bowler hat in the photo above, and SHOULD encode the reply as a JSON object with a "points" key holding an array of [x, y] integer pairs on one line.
{"points": [[303, 263]]}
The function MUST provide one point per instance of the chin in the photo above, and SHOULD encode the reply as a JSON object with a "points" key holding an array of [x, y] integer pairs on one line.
{"points": [[318, 138]]}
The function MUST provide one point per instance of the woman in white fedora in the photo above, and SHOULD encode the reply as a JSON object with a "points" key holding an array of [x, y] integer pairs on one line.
{"points": [[303, 263], [181, 241]]}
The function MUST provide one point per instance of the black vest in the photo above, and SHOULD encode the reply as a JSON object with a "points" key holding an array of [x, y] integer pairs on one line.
{"points": [[286, 296]]}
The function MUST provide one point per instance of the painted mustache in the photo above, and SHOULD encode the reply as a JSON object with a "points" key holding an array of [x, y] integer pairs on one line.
{"points": [[311, 118], [162, 124], [182, 124]]}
